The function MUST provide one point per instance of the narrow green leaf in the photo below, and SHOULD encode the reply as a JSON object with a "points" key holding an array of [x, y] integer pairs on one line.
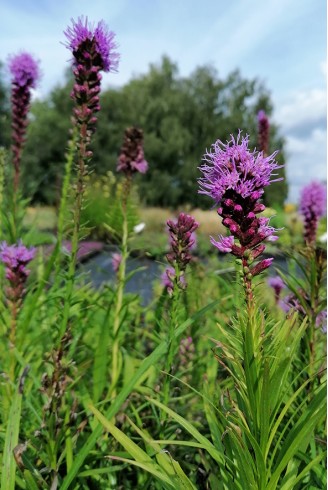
{"points": [[11, 440], [152, 359], [216, 455]]}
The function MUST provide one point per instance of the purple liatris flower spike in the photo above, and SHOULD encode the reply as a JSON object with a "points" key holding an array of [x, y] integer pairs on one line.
{"points": [[235, 178], [181, 240], [131, 158], [263, 132], [16, 258], [25, 74], [277, 284], [93, 50], [312, 207]]}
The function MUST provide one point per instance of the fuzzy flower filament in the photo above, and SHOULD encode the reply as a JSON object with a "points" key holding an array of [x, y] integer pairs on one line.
{"points": [[235, 178], [25, 74], [312, 207]]}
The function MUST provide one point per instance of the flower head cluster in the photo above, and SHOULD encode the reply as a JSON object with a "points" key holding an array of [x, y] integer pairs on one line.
{"points": [[263, 131], [235, 178], [24, 70], [25, 74], [131, 158], [16, 258], [93, 50], [312, 207], [181, 240], [233, 170]]}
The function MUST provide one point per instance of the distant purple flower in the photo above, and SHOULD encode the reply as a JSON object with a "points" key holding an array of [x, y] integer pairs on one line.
{"points": [[116, 261], [234, 177], [24, 69], [93, 49], [312, 207], [16, 258], [181, 240], [291, 303], [277, 284], [25, 75], [131, 158], [263, 132]]}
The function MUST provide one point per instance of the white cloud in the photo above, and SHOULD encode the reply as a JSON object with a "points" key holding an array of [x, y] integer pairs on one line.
{"points": [[306, 160], [303, 108]]}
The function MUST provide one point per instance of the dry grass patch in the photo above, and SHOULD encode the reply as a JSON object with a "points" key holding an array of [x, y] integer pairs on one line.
{"points": [[156, 218]]}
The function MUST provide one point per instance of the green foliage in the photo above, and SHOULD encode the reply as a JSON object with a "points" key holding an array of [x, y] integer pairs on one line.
{"points": [[102, 213]]}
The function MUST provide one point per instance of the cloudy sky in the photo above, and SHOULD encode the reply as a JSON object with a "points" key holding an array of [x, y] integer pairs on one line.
{"points": [[282, 42]]}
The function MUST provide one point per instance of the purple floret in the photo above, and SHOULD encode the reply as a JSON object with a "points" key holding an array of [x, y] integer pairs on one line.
{"points": [[224, 244], [81, 35], [24, 69]]}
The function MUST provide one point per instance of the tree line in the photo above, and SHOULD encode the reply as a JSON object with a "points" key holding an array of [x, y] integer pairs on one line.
{"points": [[180, 117]]}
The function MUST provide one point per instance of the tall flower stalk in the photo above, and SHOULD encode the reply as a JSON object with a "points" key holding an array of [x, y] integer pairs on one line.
{"points": [[182, 239], [93, 50], [235, 178], [25, 74], [130, 161]]}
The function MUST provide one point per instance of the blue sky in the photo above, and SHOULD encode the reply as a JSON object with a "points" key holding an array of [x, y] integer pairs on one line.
{"points": [[282, 42]]}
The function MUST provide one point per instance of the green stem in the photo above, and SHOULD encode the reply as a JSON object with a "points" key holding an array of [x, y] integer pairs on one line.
{"points": [[172, 342], [12, 341], [120, 290], [63, 202], [79, 194]]}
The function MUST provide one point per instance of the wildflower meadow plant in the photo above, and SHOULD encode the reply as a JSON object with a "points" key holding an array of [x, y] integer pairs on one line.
{"points": [[207, 386]]}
